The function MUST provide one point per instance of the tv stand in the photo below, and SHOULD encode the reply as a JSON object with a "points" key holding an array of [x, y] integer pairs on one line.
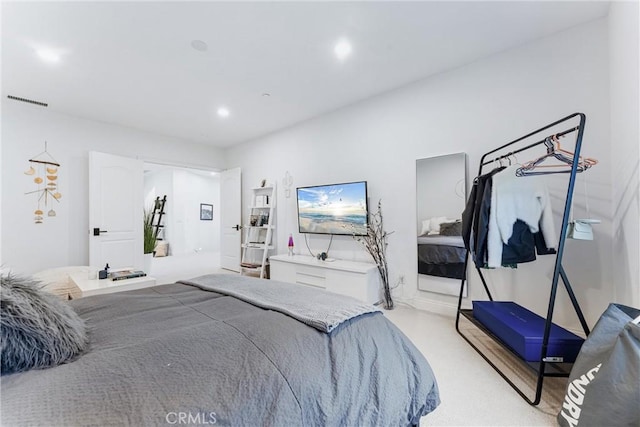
{"points": [[353, 278]]}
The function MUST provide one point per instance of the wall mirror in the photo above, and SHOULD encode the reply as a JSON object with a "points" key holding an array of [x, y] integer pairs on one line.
{"points": [[441, 197]]}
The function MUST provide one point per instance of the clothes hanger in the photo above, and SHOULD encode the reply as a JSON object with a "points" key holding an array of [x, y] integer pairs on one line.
{"points": [[566, 156], [585, 161], [563, 167]]}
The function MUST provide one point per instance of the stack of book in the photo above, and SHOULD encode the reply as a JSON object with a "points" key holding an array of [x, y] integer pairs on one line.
{"points": [[126, 274]]}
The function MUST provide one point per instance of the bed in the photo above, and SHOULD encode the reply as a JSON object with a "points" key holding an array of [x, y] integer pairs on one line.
{"points": [[441, 256], [200, 352]]}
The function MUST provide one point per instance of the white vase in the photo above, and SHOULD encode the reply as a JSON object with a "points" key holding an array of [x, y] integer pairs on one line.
{"points": [[147, 263]]}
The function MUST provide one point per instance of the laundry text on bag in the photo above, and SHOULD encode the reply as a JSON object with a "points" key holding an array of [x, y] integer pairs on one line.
{"points": [[575, 396]]}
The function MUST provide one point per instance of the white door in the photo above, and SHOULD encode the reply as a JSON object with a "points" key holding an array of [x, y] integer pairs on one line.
{"points": [[230, 219], [115, 211]]}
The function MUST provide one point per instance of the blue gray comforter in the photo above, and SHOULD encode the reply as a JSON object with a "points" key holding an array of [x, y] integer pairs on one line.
{"points": [[178, 352]]}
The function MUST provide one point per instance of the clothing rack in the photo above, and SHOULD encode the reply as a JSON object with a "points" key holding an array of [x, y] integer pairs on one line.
{"points": [[544, 367]]}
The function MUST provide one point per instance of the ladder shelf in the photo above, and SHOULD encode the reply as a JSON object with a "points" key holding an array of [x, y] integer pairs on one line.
{"points": [[156, 217], [258, 232]]}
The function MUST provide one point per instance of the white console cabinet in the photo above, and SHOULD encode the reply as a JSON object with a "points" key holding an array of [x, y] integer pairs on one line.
{"points": [[355, 279]]}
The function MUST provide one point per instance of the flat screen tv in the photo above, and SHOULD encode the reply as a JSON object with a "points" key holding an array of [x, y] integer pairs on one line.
{"points": [[333, 209]]}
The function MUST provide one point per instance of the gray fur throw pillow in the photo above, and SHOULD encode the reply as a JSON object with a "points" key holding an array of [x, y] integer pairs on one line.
{"points": [[39, 330], [451, 228]]}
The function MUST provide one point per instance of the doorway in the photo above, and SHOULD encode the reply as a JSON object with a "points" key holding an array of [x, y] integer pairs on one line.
{"points": [[190, 230]]}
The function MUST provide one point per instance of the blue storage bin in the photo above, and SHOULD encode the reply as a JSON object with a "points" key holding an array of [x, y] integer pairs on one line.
{"points": [[522, 331]]}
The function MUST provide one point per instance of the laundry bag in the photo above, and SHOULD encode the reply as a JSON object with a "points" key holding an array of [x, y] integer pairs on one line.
{"points": [[604, 383]]}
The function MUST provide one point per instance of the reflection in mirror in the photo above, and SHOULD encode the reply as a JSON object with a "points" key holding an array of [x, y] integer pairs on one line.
{"points": [[441, 196]]}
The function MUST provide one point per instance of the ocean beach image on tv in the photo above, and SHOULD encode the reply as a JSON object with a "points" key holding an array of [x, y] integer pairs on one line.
{"points": [[333, 209]]}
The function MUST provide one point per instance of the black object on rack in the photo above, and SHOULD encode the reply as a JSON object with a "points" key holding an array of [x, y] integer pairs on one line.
{"points": [[156, 216], [544, 367]]}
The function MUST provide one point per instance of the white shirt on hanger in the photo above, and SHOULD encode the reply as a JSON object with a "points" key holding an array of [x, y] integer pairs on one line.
{"points": [[517, 198]]}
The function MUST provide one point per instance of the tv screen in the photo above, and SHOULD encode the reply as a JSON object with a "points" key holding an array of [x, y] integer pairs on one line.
{"points": [[333, 209]]}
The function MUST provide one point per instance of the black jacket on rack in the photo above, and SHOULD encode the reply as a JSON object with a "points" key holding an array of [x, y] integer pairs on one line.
{"points": [[473, 209]]}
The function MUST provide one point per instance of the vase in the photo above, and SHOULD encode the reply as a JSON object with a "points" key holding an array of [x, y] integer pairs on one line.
{"points": [[147, 263], [387, 301]]}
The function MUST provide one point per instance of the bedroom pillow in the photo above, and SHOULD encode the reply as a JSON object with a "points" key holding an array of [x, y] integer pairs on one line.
{"points": [[451, 228], [161, 249], [434, 227], [38, 329], [426, 227]]}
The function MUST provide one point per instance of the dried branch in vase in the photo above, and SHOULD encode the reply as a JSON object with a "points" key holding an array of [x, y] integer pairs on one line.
{"points": [[375, 242]]}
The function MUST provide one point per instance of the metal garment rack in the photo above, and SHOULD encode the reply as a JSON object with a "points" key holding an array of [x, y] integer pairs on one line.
{"points": [[544, 367]]}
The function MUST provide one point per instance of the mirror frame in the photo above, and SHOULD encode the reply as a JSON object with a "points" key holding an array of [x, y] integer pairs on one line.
{"points": [[453, 210]]}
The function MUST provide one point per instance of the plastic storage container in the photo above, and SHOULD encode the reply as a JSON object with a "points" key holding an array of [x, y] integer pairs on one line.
{"points": [[522, 331]]}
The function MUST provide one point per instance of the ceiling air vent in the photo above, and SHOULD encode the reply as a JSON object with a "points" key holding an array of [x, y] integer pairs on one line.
{"points": [[29, 101]]}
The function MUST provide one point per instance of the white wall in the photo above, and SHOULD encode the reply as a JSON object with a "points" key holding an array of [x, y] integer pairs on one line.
{"points": [[1, 260], [440, 187], [625, 157], [191, 233], [63, 240], [471, 109]]}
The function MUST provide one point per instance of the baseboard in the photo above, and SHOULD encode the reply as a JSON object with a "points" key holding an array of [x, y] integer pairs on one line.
{"points": [[438, 307]]}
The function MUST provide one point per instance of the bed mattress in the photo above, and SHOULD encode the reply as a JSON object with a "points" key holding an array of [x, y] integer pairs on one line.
{"points": [[160, 352], [442, 256]]}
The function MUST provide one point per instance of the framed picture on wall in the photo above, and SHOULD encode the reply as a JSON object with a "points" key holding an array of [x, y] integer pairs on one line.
{"points": [[206, 212]]}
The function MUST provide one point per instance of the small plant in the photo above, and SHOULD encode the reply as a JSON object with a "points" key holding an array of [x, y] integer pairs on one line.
{"points": [[149, 232]]}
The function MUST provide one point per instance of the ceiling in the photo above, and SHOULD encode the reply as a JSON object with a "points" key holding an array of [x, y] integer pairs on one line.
{"points": [[133, 64]]}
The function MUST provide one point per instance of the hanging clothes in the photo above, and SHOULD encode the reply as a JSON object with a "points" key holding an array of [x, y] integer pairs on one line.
{"points": [[522, 243], [523, 246], [513, 199], [481, 220], [473, 209]]}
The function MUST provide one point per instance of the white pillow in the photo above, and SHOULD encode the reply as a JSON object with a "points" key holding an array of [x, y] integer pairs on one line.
{"points": [[161, 249], [434, 226], [425, 227]]}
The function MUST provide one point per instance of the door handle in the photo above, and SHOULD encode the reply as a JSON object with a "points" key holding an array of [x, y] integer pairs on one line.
{"points": [[97, 231], [237, 227]]}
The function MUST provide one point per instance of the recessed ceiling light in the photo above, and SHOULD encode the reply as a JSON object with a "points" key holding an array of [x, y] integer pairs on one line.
{"points": [[199, 45], [48, 55], [342, 49], [223, 112], [266, 94]]}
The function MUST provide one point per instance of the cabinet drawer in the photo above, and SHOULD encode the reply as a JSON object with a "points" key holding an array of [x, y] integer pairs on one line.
{"points": [[283, 272], [356, 279], [311, 277], [348, 283]]}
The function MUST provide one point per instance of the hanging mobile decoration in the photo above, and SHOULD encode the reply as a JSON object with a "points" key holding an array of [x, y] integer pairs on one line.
{"points": [[44, 168]]}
